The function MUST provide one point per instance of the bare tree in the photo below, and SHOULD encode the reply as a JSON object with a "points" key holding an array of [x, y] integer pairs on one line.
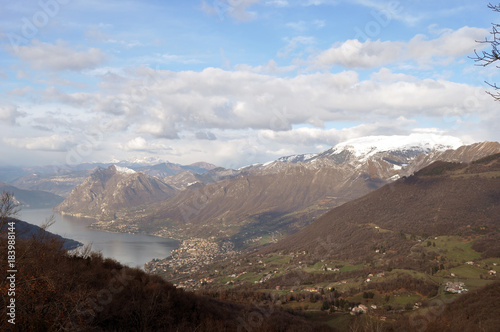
{"points": [[8, 207], [486, 58], [84, 252]]}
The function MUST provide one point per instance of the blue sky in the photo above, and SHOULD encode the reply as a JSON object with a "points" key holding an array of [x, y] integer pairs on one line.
{"points": [[234, 82]]}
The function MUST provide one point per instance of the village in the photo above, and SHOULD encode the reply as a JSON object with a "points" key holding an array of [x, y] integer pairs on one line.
{"points": [[189, 258]]}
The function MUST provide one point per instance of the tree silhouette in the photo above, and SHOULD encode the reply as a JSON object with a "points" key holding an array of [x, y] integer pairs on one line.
{"points": [[8, 207], [486, 58]]}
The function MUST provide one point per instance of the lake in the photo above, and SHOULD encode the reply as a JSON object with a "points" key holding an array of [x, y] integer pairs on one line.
{"points": [[130, 249]]}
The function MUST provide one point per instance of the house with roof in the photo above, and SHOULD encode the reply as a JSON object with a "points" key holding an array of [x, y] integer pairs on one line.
{"points": [[455, 287]]}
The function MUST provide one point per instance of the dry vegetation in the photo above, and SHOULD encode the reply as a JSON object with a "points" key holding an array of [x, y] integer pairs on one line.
{"points": [[442, 199], [57, 291]]}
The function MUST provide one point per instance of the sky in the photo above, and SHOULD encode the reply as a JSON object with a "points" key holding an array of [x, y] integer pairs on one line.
{"points": [[236, 82]]}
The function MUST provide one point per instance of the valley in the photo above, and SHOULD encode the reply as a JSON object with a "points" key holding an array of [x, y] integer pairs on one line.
{"points": [[403, 266], [249, 166], [357, 237], [337, 292], [253, 202]]}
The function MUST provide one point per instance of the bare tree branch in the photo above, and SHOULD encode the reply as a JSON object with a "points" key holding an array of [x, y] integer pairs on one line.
{"points": [[8, 207], [49, 221], [486, 58]]}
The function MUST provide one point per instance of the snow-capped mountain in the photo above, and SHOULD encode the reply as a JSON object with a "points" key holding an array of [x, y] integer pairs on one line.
{"points": [[107, 191], [305, 186], [380, 157], [296, 158], [283, 195], [124, 170], [61, 180], [365, 147]]}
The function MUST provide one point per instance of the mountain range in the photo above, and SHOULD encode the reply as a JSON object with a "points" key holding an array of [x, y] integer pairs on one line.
{"points": [[281, 196], [35, 199], [106, 191], [396, 259], [61, 180], [443, 199], [411, 222], [27, 231]]}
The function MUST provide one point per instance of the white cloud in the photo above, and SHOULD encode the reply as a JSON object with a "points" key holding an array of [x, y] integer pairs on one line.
{"points": [[159, 128], [59, 56], [271, 100], [319, 24], [355, 54], [392, 10], [80, 99], [171, 105], [9, 113], [387, 76], [317, 2], [45, 143], [141, 144], [303, 25], [169, 59], [204, 135], [295, 43], [236, 9], [300, 25], [137, 143], [269, 68], [371, 54], [449, 44], [277, 3], [307, 137], [21, 92], [95, 34]]}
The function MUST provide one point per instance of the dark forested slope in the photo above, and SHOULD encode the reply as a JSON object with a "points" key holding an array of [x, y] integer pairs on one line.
{"points": [[442, 199], [55, 291]]}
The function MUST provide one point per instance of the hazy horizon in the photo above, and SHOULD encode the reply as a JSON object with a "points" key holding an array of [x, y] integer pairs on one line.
{"points": [[235, 82]]}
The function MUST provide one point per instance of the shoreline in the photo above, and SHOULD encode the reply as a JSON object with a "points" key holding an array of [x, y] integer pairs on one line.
{"points": [[133, 247]]}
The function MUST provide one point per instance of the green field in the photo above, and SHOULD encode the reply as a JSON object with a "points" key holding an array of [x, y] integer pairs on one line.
{"points": [[351, 268], [276, 260], [468, 271], [473, 284], [454, 248], [405, 299], [340, 321], [250, 277]]}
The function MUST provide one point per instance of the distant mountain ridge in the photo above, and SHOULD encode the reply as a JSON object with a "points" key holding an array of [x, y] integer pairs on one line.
{"points": [[463, 154], [34, 199], [59, 182], [27, 231], [445, 198], [364, 147], [287, 194], [62, 180], [106, 191]]}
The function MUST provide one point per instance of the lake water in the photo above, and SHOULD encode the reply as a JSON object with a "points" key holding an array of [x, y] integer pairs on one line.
{"points": [[130, 249]]}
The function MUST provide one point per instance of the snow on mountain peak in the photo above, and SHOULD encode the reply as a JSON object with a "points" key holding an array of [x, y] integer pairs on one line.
{"points": [[124, 170], [297, 158], [370, 145]]}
